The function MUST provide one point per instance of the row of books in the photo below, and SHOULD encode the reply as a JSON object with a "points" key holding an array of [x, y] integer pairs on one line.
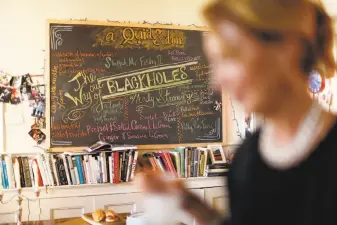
{"points": [[106, 163], [68, 169], [185, 162]]}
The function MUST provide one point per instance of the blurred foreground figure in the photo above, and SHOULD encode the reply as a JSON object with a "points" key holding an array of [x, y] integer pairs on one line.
{"points": [[262, 52]]}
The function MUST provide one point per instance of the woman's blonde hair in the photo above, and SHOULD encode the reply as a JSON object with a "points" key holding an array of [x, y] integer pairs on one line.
{"points": [[305, 18]]}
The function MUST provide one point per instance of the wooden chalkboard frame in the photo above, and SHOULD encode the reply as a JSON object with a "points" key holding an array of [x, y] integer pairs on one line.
{"points": [[105, 23]]}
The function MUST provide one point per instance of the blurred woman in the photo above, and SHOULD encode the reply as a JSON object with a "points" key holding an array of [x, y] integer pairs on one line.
{"points": [[262, 52]]}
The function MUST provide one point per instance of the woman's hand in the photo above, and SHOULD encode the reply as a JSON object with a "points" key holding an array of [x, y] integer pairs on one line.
{"points": [[156, 182], [159, 182]]}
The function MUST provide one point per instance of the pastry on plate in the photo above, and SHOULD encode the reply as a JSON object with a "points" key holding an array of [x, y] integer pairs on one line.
{"points": [[111, 216], [98, 215]]}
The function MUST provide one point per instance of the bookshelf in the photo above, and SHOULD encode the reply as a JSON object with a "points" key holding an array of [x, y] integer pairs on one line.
{"points": [[62, 201]]}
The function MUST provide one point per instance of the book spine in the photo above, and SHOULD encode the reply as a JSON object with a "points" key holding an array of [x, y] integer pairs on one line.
{"points": [[45, 169], [88, 169], [129, 165], [166, 164], [84, 168], [76, 176], [221, 174], [218, 166], [160, 163], [65, 164], [73, 161], [1, 176], [4, 170], [185, 162], [116, 167], [16, 168], [56, 175], [189, 160], [197, 162], [10, 172], [104, 166], [110, 168], [63, 175], [92, 170], [217, 170], [42, 171], [38, 176], [79, 169], [182, 163], [22, 175], [192, 163], [49, 170], [28, 180], [98, 170], [71, 169], [31, 172], [170, 163], [35, 172], [123, 155], [205, 163]]}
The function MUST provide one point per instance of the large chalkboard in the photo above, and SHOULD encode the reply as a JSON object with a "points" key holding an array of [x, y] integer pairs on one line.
{"points": [[133, 84]]}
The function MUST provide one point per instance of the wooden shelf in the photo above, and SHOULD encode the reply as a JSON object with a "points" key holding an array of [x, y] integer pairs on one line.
{"points": [[106, 189]]}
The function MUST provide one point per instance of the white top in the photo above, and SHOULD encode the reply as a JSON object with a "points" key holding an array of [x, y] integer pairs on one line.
{"points": [[299, 149]]}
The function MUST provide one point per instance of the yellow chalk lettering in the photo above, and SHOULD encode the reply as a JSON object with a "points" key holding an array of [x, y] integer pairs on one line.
{"points": [[159, 78], [111, 86], [110, 37], [119, 89], [183, 72], [150, 79], [141, 80], [128, 35], [76, 100], [135, 82], [128, 85], [175, 75]]}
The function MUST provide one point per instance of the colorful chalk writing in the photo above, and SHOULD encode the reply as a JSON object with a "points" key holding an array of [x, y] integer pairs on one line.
{"points": [[134, 85], [138, 37]]}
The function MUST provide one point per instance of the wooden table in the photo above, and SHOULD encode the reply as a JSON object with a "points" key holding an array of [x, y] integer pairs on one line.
{"points": [[69, 221]]}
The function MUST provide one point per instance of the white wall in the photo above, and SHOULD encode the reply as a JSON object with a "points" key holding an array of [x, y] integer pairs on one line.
{"points": [[331, 6], [23, 37], [24, 24]]}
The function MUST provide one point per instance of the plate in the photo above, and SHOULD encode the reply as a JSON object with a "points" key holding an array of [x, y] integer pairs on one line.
{"points": [[88, 218]]}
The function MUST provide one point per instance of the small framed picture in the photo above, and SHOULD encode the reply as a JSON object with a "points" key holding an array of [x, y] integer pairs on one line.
{"points": [[217, 154], [38, 107], [37, 135], [5, 94]]}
